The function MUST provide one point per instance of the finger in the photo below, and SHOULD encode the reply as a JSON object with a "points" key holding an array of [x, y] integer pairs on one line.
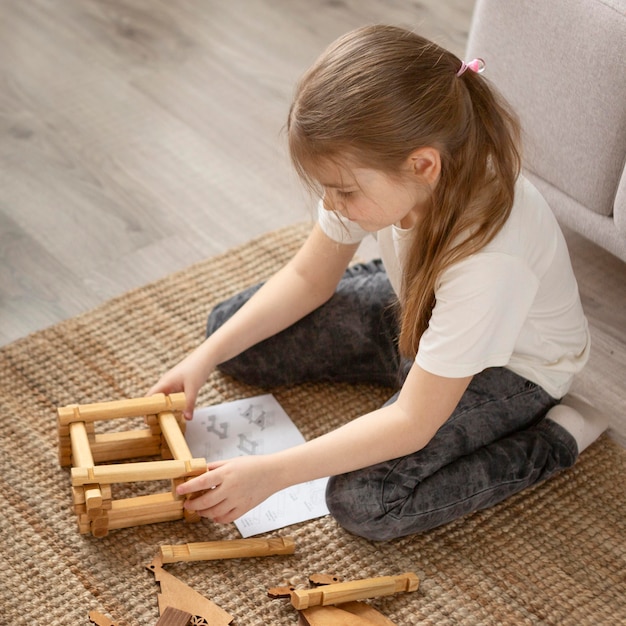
{"points": [[205, 502], [161, 387], [227, 518], [203, 482], [222, 511], [154, 390], [190, 403]]}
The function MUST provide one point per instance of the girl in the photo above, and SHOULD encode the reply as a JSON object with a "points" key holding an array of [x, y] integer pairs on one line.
{"points": [[405, 141]]}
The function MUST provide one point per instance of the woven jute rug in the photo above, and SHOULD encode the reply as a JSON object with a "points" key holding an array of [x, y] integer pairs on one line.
{"points": [[555, 554]]}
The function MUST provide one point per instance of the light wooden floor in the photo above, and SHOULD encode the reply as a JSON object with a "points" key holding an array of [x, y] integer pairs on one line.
{"points": [[139, 136]]}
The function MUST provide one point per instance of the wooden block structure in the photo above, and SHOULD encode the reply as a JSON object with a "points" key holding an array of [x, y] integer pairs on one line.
{"points": [[93, 475]]}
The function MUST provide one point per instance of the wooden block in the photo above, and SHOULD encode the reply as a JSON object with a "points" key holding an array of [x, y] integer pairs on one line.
{"points": [[94, 514], [81, 509], [99, 533], [65, 444], [81, 456], [353, 590], [100, 527], [315, 580], [131, 444], [140, 520], [280, 592], [64, 456], [174, 437], [174, 593], [64, 431], [97, 514], [191, 517], [229, 549], [78, 494], [99, 619], [152, 422], [153, 501], [84, 528], [164, 450], [141, 510], [332, 616], [68, 414], [362, 609], [81, 448], [116, 409], [135, 472], [174, 617], [93, 497]]}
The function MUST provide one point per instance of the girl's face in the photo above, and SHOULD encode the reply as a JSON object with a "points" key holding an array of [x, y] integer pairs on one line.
{"points": [[372, 198]]}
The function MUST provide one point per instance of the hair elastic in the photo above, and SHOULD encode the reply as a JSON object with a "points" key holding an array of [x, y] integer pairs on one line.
{"points": [[476, 65]]}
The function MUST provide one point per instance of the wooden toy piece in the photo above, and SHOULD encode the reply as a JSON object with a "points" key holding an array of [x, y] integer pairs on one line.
{"points": [[174, 437], [190, 516], [176, 594], [79, 496], [331, 616], [316, 580], [353, 590], [81, 448], [362, 609], [84, 450], [91, 494], [116, 446], [134, 407], [131, 444], [150, 509], [100, 620], [229, 549], [280, 592], [174, 617], [93, 497], [135, 472]]}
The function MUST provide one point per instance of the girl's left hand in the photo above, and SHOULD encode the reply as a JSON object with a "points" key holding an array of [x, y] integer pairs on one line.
{"points": [[230, 488]]}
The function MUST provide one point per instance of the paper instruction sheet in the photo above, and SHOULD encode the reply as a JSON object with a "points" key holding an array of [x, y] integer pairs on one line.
{"points": [[256, 425]]}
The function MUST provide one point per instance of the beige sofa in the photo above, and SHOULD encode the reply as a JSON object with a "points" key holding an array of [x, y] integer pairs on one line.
{"points": [[562, 65]]}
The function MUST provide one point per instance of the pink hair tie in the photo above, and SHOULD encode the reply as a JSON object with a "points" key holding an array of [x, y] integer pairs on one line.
{"points": [[476, 65]]}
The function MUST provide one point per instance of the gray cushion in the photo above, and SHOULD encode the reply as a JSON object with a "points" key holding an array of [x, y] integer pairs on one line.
{"points": [[561, 64]]}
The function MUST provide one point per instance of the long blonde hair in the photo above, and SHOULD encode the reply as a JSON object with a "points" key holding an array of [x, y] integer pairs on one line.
{"points": [[379, 93]]}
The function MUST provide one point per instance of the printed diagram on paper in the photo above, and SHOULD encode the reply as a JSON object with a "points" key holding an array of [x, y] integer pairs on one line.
{"points": [[257, 425]]}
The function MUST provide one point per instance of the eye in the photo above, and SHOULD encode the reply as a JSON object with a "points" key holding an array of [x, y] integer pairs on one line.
{"points": [[344, 194]]}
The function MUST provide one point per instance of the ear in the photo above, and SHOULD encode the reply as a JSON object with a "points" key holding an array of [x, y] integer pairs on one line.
{"points": [[425, 164]]}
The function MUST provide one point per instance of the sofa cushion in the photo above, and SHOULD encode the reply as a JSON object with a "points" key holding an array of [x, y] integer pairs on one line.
{"points": [[561, 66]]}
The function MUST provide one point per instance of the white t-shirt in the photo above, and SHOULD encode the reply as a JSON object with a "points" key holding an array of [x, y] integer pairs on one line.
{"points": [[514, 303]]}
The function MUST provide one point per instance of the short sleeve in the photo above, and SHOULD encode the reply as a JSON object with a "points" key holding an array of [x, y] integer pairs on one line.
{"points": [[481, 306], [341, 231]]}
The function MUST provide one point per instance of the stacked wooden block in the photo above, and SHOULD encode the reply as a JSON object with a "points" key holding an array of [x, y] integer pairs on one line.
{"points": [[93, 475]]}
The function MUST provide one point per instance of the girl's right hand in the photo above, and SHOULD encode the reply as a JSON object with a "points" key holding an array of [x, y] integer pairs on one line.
{"points": [[188, 376]]}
